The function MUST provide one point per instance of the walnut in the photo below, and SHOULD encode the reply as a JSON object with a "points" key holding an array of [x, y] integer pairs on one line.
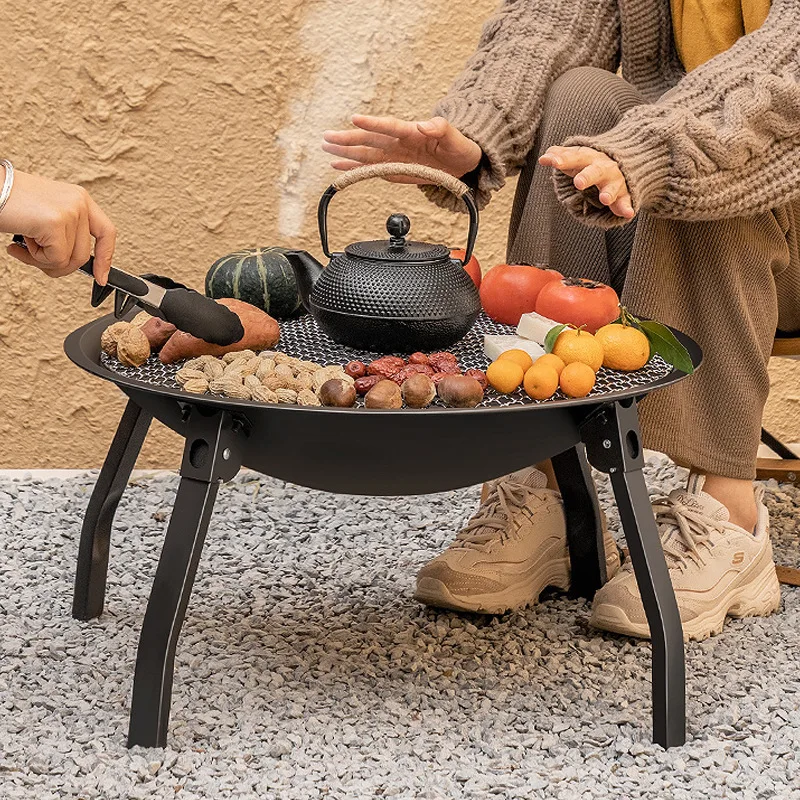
{"points": [[196, 385], [141, 318], [110, 336], [306, 397], [264, 395], [133, 348], [228, 357], [288, 396], [214, 369], [186, 374], [266, 367]]}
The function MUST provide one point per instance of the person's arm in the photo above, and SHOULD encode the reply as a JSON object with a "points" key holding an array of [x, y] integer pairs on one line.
{"points": [[724, 142], [497, 100], [61, 224]]}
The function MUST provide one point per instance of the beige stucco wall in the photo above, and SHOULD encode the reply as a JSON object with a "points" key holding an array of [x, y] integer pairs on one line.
{"points": [[196, 125]]}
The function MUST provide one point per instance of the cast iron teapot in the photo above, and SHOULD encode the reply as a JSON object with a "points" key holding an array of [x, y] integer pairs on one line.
{"points": [[395, 295]]}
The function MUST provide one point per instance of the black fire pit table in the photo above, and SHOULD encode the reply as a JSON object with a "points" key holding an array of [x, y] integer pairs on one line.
{"points": [[354, 451]]}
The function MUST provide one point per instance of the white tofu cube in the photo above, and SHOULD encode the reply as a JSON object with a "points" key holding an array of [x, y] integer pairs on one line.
{"points": [[495, 343]]}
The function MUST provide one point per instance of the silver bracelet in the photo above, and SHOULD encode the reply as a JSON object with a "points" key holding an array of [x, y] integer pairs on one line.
{"points": [[8, 183]]}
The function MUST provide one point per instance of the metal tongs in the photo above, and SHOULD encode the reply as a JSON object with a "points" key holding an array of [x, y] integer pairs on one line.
{"points": [[162, 297]]}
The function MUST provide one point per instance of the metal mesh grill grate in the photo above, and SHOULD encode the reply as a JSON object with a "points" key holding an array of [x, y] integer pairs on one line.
{"points": [[302, 338]]}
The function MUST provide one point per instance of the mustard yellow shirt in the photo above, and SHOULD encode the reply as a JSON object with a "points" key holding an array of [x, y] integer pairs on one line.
{"points": [[705, 28]]}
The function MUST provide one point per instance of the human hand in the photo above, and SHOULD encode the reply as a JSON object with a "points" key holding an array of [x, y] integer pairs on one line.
{"points": [[588, 167], [58, 221], [433, 142]]}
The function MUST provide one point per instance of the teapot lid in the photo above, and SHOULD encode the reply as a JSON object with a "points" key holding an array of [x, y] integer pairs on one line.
{"points": [[397, 248]]}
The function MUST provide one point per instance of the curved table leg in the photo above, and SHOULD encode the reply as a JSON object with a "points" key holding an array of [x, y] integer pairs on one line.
{"points": [[212, 454], [613, 443], [92, 568], [584, 527]]}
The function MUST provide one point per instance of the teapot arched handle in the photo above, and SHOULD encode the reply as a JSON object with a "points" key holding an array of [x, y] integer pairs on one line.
{"points": [[430, 175]]}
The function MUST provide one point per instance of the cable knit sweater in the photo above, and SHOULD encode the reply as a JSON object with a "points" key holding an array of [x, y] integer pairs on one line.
{"points": [[721, 141]]}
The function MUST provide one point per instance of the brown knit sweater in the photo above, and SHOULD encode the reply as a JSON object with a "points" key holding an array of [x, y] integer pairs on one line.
{"points": [[721, 141]]}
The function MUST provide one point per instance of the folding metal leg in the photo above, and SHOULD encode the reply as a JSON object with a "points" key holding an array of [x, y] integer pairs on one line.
{"points": [[92, 568], [613, 444], [584, 527], [152, 685], [212, 454]]}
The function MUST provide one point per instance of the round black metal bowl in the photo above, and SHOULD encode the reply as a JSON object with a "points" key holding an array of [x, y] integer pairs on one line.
{"points": [[378, 452]]}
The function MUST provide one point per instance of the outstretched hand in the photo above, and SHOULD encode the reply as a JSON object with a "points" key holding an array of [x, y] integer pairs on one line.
{"points": [[61, 225], [433, 142], [588, 167]]}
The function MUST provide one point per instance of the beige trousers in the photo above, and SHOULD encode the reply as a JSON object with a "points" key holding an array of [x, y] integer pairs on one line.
{"points": [[729, 284]]}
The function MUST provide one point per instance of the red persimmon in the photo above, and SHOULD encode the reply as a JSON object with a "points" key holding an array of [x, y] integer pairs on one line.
{"points": [[579, 302], [510, 290]]}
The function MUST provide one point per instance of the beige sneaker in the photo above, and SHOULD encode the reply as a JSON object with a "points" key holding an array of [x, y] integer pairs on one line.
{"points": [[717, 568], [514, 546]]}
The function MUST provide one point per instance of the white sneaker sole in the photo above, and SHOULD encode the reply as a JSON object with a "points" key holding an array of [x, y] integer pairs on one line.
{"points": [[758, 597], [523, 593]]}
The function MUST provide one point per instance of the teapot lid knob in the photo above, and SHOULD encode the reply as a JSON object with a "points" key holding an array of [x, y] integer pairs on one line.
{"points": [[398, 225]]}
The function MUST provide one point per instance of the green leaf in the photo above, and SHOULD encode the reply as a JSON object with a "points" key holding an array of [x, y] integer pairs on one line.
{"points": [[552, 335], [662, 341]]}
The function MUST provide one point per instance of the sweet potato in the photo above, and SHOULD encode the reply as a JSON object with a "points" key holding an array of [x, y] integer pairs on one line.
{"points": [[261, 332], [158, 332]]}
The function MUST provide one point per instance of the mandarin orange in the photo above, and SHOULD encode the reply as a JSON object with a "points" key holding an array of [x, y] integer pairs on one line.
{"points": [[578, 345], [541, 381], [505, 375], [577, 379]]}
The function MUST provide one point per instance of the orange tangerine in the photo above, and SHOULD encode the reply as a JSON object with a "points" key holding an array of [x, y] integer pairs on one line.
{"points": [[577, 379], [541, 381], [552, 360], [519, 356], [624, 347], [577, 345], [505, 375]]}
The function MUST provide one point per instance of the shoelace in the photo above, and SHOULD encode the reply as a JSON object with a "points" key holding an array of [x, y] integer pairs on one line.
{"points": [[482, 529], [695, 532]]}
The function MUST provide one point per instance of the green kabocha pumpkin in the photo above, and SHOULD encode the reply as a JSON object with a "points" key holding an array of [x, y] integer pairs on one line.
{"points": [[261, 276]]}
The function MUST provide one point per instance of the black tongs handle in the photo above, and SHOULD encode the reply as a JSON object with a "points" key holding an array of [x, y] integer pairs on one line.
{"points": [[129, 284]]}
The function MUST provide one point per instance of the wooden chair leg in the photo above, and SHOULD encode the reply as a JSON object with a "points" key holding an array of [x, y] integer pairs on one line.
{"points": [[785, 468]]}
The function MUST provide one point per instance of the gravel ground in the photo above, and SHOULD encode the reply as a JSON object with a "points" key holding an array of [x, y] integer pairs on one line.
{"points": [[305, 670]]}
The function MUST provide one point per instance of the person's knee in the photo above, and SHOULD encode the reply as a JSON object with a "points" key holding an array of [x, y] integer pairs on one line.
{"points": [[578, 85], [585, 101]]}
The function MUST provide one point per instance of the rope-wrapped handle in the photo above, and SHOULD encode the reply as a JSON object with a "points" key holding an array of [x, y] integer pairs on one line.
{"points": [[429, 175], [388, 169]]}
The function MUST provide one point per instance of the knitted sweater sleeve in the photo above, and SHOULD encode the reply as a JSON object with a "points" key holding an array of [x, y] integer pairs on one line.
{"points": [[724, 142], [497, 100]]}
